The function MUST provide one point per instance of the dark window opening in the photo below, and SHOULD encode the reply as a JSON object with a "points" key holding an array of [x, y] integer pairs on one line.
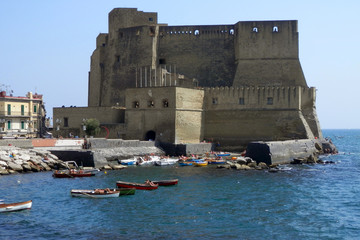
{"points": [[151, 19], [152, 31], [151, 103], [66, 122], [162, 61], [121, 34], [270, 101], [118, 58], [241, 101], [165, 103], [136, 104], [215, 101], [150, 136]]}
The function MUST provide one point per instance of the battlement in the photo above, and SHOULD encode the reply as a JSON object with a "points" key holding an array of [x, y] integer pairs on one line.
{"points": [[272, 98]]}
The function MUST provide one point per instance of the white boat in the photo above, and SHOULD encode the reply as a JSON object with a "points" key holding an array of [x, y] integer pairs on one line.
{"points": [[128, 161], [11, 207], [147, 160], [166, 161], [96, 193]]}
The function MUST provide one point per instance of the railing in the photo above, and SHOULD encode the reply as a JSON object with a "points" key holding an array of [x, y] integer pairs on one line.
{"points": [[17, 113]]}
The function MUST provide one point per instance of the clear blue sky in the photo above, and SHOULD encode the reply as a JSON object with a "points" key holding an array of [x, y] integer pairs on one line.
{"points": [[45, 46]]}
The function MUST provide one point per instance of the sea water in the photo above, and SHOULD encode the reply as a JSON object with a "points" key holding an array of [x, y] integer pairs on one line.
{"points": [[306, 202]]}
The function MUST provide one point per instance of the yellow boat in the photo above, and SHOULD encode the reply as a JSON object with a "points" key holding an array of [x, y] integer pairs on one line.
{"points": [[200, 164]]}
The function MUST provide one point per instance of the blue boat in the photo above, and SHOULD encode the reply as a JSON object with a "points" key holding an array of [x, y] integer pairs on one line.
{"points": [[185, 163]]}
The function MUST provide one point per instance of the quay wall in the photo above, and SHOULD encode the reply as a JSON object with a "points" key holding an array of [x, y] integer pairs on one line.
{"points": [[281, 152]]}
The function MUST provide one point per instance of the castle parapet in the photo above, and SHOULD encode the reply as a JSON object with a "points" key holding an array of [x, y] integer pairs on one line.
{"points": [[272, 98]]}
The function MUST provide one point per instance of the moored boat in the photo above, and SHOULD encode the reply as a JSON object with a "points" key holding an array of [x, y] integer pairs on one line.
{"points": [[140, 186], [126, 191], [11, 207], [96, 193], [216, 161], [165, 161], [185, 163], [200, 163], [128, 162], [170, 182], [72, 173]]}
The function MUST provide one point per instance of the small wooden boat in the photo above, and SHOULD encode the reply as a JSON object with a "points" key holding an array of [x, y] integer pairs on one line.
{"points": [[11, 207], [140, 186], [128, 162], [222, 154], [126, 191], [216, 161], [200, 163], [72, 173], [166, 182], [96, 193], [185, 163]]}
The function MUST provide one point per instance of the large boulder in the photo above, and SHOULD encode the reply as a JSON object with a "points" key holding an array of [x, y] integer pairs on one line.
{"points": [[5, 158], [4, 172], [3, 164], [15, 167], [262, 165], [45, 166], [26, 167], [24, 157]]}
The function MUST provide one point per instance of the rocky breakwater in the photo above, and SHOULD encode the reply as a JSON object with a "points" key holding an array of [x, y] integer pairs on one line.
{"points": [[18, 160], [244, 163]]}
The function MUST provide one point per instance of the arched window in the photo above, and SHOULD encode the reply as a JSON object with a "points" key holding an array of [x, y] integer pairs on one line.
{"points": [[255, 29], [275, 29], [196, 32], [232, 31]]}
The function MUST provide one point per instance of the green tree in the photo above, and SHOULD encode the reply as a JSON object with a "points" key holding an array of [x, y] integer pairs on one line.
{"points": [[92, 126]]}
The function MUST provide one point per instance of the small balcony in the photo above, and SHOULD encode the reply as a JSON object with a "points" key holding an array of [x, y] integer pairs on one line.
{"points": [[16, 114]]}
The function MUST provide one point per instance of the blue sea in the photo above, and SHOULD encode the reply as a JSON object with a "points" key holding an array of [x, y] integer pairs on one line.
{"points": [[305, 202]]}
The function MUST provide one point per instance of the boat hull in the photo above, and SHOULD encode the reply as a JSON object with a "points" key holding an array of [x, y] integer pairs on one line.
{"points": [[94, 194], [126, 191], [139, 186], [72, 175], [166, 182], [200, 164], [11, 207]]}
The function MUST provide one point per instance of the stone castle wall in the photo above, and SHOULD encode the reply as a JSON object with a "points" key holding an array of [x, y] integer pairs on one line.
{"points": [[250, 84]]}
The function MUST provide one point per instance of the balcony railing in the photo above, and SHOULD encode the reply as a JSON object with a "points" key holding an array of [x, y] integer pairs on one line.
{"points": [[16, 114]]}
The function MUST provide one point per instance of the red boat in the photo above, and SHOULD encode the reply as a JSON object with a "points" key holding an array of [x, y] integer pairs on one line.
{"points": [[166, 182], [72, 173], [141, 186]]}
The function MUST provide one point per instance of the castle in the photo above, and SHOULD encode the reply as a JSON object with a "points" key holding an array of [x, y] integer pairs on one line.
{"points": [[229, 84]]}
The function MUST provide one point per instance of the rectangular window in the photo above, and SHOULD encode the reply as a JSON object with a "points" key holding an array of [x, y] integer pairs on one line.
{"points": [[9, 125], [22, 110], [35, 109], [66, 122], [270, 101], [9, 109], [22, 125], [241, 101], [215, 101]]}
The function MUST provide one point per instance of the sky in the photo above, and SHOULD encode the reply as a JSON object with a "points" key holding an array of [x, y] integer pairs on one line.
{"points": [[45, 46]]}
